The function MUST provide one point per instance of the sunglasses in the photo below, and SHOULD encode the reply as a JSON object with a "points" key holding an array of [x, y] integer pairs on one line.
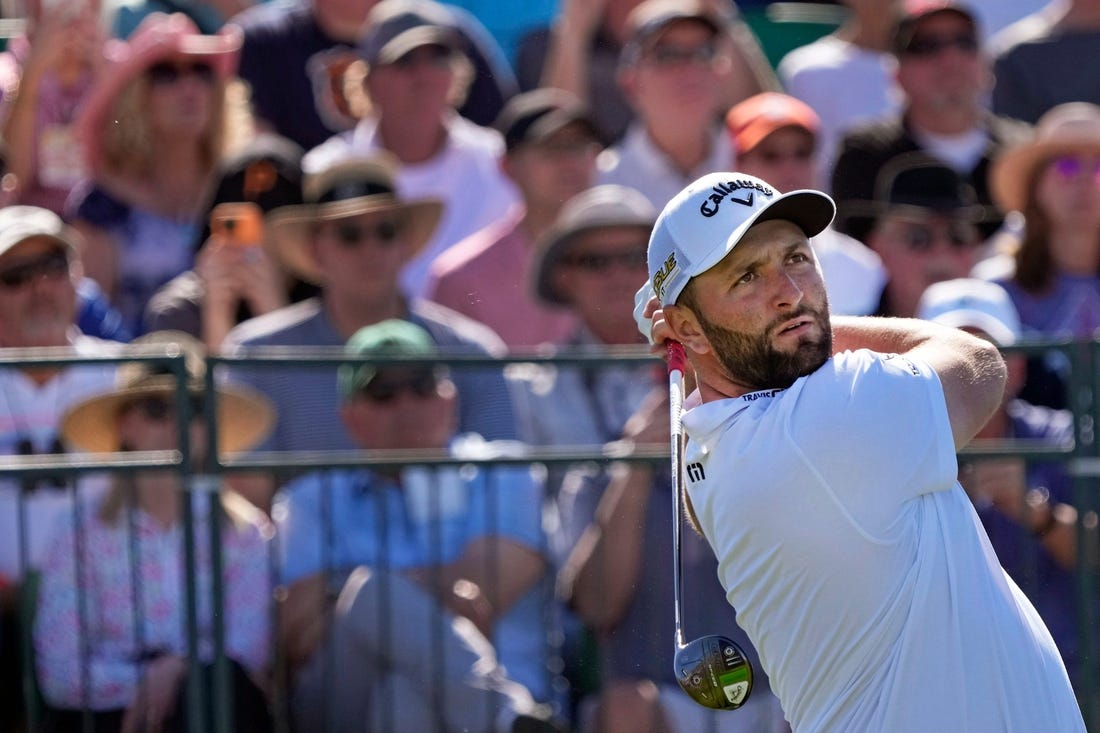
{"points": [[159, 409], [52, 266], [667, 56], [166, 73], [632, 259], [1070, 167], [351, 234], [921, 237], [931, 45], [382, 390]]}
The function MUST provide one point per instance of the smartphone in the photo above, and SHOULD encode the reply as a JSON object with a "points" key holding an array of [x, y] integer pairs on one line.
{"points": [[238, 223]]}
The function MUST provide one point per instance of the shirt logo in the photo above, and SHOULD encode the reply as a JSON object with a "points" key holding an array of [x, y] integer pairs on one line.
{"points": [[720, 191], [695, 472]]}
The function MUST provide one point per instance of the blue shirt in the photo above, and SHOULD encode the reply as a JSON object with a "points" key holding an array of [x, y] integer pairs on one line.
{"points": [[367, 519]]}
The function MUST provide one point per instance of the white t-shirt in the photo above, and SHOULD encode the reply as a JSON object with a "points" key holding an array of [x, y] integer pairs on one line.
{"points": [[32, 412], [845, 84], [857, 564], [854, 275], [465, 175]]}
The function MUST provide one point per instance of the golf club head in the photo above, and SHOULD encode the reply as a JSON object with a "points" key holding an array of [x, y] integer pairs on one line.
{"points": [[714, 672]]}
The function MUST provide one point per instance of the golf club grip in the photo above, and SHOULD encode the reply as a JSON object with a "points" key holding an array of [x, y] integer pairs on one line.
{"points": [[676, 365]]}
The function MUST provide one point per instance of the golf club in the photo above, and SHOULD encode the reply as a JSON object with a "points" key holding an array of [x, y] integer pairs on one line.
{"points": [[713, 670]]}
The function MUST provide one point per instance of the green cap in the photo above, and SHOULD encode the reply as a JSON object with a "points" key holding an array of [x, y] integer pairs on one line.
{"points": [[394, 337]]}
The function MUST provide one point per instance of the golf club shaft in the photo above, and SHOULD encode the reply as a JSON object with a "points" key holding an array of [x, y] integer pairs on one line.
{"points": [[676, 363]]}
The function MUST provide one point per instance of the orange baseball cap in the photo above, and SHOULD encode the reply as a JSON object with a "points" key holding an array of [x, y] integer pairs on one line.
{"points": [[753, 119]]}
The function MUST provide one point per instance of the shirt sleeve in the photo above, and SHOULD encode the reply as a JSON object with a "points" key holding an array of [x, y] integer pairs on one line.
{"points": [[888, 436], [508, 503], [300, 532], [248, 598], [58, 634]]}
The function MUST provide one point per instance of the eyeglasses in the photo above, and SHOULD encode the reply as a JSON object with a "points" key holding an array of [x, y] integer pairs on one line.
{"points": [[931, 45], [51, 266], [351, 234], [667, 56], [166, 73], [1069, 167], [921, 237], [603, 261], [159, 409], [382, 390], [431, 55]]}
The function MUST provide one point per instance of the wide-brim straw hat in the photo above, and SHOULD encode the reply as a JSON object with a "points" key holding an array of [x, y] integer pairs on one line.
{"points": [[1068, 129], [159, 37], [244, 416], [341, 191]]}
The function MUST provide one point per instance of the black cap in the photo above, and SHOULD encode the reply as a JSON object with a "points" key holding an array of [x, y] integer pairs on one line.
{"points": [[919, 180], [914, 11], [396, 27], [533, 116]]}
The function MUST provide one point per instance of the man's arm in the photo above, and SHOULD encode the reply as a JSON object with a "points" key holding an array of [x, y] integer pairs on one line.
{"points": [[971, 370]]}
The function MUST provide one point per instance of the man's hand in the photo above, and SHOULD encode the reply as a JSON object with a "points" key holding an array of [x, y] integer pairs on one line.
{"points": [[1001, 482]]}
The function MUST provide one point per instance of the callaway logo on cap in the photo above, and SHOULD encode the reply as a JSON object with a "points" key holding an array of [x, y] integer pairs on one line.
{"points": [[708, 218]]}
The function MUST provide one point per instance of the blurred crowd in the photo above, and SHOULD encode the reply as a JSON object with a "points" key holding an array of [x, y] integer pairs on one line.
{"points": [[409, 179]]}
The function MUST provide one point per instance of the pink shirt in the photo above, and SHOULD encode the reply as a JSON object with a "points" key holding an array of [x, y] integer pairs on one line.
{"points": [[488, 277], [115, 643]]}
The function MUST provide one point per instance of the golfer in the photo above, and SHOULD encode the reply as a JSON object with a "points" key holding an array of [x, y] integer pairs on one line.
{"points": [[821, 467]]}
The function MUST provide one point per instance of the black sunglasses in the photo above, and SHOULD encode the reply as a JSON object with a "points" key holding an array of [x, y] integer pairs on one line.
{"points": [[168, 72], [52, 264], [932, 45], [669, 55], [383, 390], [604, 261], [158, 408], [351, 234], [921, 238]]}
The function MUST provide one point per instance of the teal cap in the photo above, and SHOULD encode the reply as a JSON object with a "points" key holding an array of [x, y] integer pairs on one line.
{"points": [[393, 337]]}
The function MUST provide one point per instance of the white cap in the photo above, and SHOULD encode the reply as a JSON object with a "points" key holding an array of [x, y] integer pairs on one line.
{"points": [[708, 218], [972, 303]]}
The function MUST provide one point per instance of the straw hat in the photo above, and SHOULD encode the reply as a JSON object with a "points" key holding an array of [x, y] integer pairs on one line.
{"points": [[343, 190], [1065, 129], [159, 37], [244, 416]]}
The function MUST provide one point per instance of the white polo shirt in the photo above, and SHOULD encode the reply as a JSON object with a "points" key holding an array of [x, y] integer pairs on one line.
{"points": [[856, 563]]}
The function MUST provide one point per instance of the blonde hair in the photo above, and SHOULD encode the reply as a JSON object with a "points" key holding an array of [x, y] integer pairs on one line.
{"points": [[127, 144]]}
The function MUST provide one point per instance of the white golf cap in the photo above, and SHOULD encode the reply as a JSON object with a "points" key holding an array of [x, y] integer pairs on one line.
{"points": [[972, 303], [706, 220]]}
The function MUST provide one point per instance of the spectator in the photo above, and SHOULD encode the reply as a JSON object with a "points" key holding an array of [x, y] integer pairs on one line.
{"points": [[1053, 275], [582, 53], [923, 224], [155, 126], [415, 68], [1025, 506], [110, 637], [351, 238], [39, 272], [615, 537], [234, 278], [208, 15], [507, 21], [551, 156], [47, 74], [670, 72], [1062, 35], [295, 56], [453, 555], [776, 138], [847, 77], [945, 80]]}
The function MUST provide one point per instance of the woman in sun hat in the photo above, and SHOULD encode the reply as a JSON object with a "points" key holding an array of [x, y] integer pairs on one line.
{"points": [[165, 110], [113, 642], [1053, 275]]}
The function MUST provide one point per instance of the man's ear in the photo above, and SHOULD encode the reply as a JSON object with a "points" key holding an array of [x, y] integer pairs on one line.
{"points": [[686, 329]]}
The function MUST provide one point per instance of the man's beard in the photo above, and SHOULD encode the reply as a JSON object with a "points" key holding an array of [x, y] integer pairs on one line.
{"points": [[752, 361]]}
